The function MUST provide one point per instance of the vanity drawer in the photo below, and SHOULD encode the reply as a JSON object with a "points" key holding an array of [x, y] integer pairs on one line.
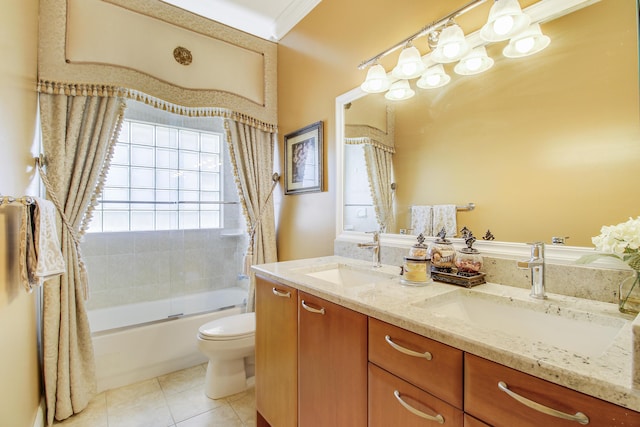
{"points": [[400, 352], [395, 402], [486, 401]]}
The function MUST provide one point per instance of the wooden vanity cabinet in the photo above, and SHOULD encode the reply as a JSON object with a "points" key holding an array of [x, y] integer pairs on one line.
{"points": [[332, 364], [423, 362], [484, 400], [276, 353]]}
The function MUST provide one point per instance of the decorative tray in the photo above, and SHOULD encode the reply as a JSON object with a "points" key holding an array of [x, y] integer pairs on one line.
{"points": [[454, 279]]}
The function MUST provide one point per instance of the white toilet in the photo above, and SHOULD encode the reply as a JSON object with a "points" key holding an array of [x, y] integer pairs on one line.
{"points": [[229, 343]]}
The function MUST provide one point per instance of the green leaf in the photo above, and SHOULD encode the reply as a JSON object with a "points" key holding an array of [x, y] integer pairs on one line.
{"points": [[634, 261]]}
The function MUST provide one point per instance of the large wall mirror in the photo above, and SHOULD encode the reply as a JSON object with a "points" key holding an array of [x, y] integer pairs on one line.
{"points": [[547, 145]]}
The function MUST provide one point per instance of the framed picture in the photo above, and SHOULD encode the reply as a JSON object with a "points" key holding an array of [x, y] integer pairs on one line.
{"points": [[303, 160]]}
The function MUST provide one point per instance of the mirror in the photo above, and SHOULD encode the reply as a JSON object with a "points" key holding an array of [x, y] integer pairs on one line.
{"points": [[547, 145]]}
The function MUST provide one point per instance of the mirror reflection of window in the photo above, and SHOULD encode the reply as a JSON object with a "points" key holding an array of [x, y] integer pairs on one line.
{"points": [[359, 214]]}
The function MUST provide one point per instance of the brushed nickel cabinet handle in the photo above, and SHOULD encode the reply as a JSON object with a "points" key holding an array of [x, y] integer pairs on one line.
{"points": [[280, 293], [579, 417], [438, 418], [311, 309], [406, 351]]}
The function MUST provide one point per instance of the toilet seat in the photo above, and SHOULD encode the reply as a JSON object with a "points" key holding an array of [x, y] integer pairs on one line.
{"points": [[229, 328]]}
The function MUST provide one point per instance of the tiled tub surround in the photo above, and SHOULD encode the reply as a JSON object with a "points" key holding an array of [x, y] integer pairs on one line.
{"points": [[133, 267], [607, 376]]}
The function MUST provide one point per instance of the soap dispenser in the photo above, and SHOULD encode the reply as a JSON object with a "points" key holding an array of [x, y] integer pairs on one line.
{"points": [[468, 260], [442, 253]]}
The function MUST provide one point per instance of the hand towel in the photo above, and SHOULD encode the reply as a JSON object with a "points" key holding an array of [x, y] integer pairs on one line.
{"points": [[49, 260], [445, 216], [421, 220]]}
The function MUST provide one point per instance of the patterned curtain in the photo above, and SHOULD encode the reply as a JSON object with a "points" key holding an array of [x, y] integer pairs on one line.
{"points": [[80, 124], [252, 152], [380, 173]]}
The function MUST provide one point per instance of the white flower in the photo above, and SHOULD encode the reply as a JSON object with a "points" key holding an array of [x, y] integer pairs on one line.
{"points": [[617, 238]]}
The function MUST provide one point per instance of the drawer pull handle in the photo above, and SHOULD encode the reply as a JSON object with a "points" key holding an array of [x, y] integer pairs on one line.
{"points": [[438, 418], [311, 309], [406, 351], [579, 417], [280, 293]]}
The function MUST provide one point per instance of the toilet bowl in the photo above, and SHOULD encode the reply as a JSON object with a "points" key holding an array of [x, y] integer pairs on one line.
{"points": [[229, 344]]}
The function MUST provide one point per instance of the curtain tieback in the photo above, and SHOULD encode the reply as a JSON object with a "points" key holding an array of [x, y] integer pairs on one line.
{"points": [[72, 232]]}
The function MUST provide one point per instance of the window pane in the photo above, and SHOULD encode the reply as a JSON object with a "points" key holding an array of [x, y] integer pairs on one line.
{"points": [[142, 220], [189, 181], [209, 162], [189, 220], [116, 221], [141, 134], [120, 155], [189, 196], [115, 194], [188, 140], [166, 220], [142, 177], [210, 143], [124, 132], [118, 176], [166, 137], [210, 219], [166, 179], [209, 181], [210, 196], [166, 196], [95, 226], [141, 156], [166, 158], [144, 195], [189, 160]]}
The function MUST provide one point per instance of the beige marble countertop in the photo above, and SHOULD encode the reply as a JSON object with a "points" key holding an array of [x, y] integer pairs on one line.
{"points": [[607, 375]]}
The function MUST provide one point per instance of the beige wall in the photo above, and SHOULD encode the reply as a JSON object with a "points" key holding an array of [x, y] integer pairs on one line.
{"points": [[19, 387], [317, 62]]}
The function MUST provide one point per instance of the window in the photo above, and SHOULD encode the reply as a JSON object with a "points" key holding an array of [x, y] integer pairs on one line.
{"points": [[162, 178]]}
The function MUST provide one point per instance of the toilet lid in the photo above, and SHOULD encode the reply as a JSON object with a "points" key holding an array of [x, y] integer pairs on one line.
{"points": [[230, 327]]}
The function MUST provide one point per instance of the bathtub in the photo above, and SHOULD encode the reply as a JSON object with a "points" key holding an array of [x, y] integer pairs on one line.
{"points": [[128, 354]]}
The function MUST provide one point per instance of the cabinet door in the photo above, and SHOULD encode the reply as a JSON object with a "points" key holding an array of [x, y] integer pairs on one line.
{"points": [[428, 364], [395, 402], [276, 353], [486, 401], [332, 364], [469, 421]]}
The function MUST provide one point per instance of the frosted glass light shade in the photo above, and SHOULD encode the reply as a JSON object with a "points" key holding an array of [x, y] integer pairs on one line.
{"points": [[526, 43], [452, 45], [506, 19], [433, 78], [376, 81], [409, 65], [399, 91], [475, 62]]}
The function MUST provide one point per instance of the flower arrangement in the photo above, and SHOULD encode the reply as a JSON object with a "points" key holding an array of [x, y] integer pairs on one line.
{"points": [[621, 241]]}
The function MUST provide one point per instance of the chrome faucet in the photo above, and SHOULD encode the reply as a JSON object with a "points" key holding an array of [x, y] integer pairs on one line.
{"points": [[536, 265], [375, 248]]}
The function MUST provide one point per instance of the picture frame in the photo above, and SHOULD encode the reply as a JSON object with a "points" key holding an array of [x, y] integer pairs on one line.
{"points": [[303, 160]]}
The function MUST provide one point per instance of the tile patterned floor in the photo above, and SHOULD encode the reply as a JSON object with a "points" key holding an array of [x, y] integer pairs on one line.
{"points": [[173, 400]]}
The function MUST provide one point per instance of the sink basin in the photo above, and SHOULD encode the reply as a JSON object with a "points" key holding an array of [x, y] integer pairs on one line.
{"points": [[583, 333], [343, 274]]}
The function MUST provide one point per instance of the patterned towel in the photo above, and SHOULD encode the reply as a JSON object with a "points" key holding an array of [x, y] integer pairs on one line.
{"points": [[40, 247], [421, 220], [445, 216]]}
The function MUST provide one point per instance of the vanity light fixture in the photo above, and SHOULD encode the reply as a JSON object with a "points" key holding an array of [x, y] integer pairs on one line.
{"points": [[434, 77], [452, 45], [475, 62], [409, 65], [526, 43], [506, 19], [376, 81], [399, 91]]}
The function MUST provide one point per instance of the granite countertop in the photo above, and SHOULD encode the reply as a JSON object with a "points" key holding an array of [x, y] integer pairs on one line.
{"points": [[606, 375]]}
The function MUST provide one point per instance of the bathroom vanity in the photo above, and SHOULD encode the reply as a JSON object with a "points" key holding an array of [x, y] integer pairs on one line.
{"points": [[341, 343]]}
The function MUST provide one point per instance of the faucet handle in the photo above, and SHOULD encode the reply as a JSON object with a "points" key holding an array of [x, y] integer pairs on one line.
{"points": [[376, 235], [537, 249]]}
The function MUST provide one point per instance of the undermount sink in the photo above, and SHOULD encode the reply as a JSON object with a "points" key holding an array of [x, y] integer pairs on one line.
{"points": [[576, 331], [343, 274]]}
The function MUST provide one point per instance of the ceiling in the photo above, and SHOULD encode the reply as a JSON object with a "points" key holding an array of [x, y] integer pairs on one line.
{"points": [[268, 19]]}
